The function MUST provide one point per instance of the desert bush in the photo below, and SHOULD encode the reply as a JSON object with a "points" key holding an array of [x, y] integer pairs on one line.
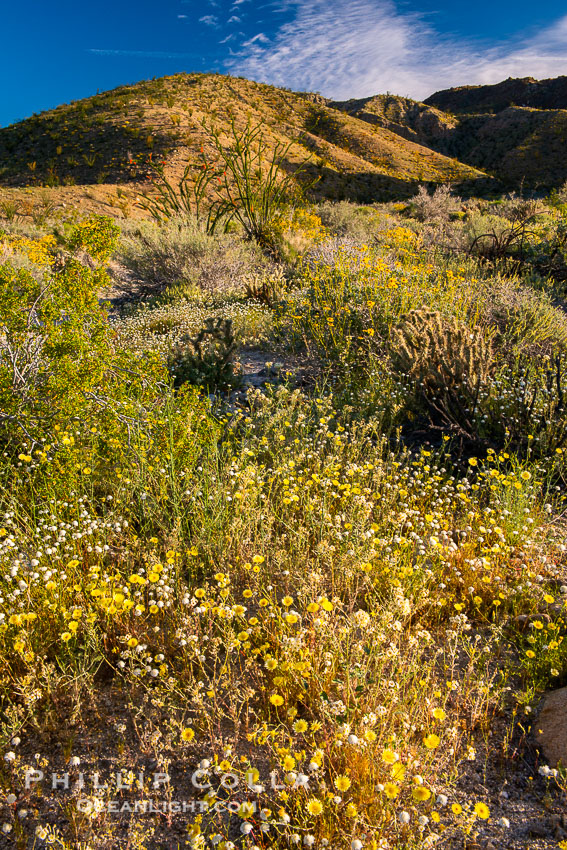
{"points": [[298, 230], [547, 254], [10, 210], [436, 206], [527, 320], [558, 197], [181, 200], [351, 221], [515, 208], [54, 342], [248, 182], [252, 184], [179, 252], [43, 210], [97, 235], [487, 401], [525, 406], [496, 238]]}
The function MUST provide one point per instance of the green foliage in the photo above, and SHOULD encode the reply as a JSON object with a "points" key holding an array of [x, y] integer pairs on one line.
{"points": [[97, 235], [525, 407], [509, 238], [207, 359], [54, 343], [302, 566], [10, 210]]}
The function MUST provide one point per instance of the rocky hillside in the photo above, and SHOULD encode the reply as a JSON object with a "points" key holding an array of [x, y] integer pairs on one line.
{"points": [[410, 119], [111, 138], [516, 130]]}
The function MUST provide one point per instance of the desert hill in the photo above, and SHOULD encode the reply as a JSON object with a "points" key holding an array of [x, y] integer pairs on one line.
{"points": [[418, 122], [367, 149], [110, 138]]}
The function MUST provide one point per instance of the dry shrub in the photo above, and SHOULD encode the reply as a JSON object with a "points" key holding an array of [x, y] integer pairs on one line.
{"points": [[350, 221], [436, 207], [527, 320], [179, 252]]}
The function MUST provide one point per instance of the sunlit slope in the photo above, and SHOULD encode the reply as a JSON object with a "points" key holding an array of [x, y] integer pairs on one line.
{"points": [[112, 138]]}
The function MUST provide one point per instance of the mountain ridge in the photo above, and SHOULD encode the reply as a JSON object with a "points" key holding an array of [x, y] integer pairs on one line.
{"points": [[514, 91], [518, 143], [476, 138]]}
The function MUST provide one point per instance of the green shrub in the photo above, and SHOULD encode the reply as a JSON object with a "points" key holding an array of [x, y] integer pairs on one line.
{"points": [[55, 340], [97, 235]]}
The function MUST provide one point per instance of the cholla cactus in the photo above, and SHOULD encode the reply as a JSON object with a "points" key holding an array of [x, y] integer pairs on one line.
{"points": [[266, 288], [207, 359], [449, 362]]}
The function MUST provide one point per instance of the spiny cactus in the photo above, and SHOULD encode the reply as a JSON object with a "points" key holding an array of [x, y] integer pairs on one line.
{"points": [[266, 288], [449, 363], [207, 359]]}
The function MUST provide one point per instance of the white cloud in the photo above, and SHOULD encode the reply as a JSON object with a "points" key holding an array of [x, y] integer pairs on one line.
{"points": [[252, 43], [356, 48], [209, 20], [234, 19]]}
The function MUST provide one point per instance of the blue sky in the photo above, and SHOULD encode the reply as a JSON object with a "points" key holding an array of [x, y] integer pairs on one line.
{"points": [[54, 53]]}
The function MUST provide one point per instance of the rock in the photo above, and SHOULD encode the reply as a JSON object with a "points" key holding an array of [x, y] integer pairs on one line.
{"points": [[550, 727], [538, 829]]}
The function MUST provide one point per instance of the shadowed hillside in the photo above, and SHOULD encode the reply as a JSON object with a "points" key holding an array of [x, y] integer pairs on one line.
{"points": [[516, 130], [525, 91]]}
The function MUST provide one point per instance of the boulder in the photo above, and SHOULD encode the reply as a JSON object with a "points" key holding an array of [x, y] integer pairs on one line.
{"points": [[550, 727]]}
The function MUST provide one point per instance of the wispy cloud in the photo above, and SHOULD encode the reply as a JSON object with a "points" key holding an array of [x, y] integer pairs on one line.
{"points": [[355, 48], [142, 54], [234, 19], [209, 20], [253, 43]]}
